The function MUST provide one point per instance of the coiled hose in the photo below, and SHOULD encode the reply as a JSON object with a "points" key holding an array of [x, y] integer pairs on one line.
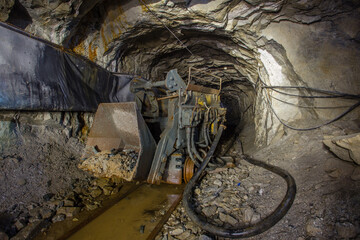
{"points": [[249, 231]]}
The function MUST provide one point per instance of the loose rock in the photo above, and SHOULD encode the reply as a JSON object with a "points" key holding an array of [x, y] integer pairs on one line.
{"points": [[58, 218], [356, 174], [177, 231], [3, 236], [346, 230], [313, 227], [248, 214], [68, 211]]}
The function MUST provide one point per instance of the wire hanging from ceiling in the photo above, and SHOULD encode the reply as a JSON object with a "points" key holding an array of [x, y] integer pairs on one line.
{"points": [[166, 27]]}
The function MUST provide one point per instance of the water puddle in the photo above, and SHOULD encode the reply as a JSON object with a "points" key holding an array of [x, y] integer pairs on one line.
{"points": [[133, 217]]}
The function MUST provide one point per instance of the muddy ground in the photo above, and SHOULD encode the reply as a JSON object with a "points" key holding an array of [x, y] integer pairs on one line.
{"points": [[39, 158]]}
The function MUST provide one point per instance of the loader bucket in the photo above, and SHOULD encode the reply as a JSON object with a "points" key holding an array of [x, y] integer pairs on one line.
{"points": [[119, 126]]}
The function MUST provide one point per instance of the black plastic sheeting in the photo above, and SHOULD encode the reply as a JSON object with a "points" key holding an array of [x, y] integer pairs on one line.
{"points": [[38, 75]]}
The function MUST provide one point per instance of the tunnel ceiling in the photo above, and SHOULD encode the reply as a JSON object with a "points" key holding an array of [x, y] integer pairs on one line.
{"points": [[314, 43]]}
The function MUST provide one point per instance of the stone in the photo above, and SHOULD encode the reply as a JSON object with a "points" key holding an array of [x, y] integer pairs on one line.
{"points": [[21, 181], [5, 9], [356, 174], [261, 191], [335, 173], [69, 203], [170, 4], [26, 231], [204, 237], [105, 164], [91, 207], [3, 236], [107, 190], [345, 147], [54, 204], [248, 214], [19, 225], [209, 211], [231, 220], [338, 151], [218, 182], [48, 196], [68, 211], [184, 235], [35, 212], [222, 217], [58, 218], [102, 182], [45, 213], [255, 218], [346, 230], [34, 219], [352, 143], [177, 231], [313, 227], [95, 192], [192, 227], [218, 176]]}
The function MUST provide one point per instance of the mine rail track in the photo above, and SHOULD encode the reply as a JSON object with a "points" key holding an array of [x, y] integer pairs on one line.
{"points": [[132, 213]]}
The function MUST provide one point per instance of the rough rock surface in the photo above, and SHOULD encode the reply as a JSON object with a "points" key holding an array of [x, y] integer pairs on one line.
{"points": [[345, 147], [289, 43]]}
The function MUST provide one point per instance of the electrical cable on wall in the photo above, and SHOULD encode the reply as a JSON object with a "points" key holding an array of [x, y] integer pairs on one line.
{"points": [[334, 93]]}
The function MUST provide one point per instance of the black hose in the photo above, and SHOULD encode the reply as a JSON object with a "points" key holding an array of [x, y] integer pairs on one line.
{"points": [[193, 147], [188, 146], [204, 129], [255, 229]]}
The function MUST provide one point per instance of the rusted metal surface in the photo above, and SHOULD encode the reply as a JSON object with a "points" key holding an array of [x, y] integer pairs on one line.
{"points": [[188, 171], [115, 126], [121, 126], [202, 89], [168, 97], [164, 219], [173, 172]]}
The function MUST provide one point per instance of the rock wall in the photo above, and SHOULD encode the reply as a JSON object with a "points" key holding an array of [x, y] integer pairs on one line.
{"points": [[250, 43]]}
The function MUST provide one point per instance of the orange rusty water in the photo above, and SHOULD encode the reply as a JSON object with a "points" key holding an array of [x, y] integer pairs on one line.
{"points": [[124, 220]]}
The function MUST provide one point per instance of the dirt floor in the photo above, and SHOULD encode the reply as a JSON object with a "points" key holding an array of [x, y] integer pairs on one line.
{"points": [[38, 166]]}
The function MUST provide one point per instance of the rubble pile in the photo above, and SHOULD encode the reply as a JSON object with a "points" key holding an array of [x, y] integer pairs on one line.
{"points": [[112, 163], [227, 197]]}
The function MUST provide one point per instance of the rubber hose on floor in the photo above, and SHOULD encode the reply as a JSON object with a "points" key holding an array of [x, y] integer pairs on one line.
{"points": [[249, 231]]}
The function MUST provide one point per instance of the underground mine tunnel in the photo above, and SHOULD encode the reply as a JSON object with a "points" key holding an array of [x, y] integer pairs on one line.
{"points": [[173, 119]]}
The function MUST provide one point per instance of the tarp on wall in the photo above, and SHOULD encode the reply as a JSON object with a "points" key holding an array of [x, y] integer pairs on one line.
{"points": [[38, 75]]}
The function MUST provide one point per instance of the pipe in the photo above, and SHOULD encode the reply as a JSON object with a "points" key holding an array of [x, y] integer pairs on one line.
{"points": [[193, 148], [249, 231], [188, 146], [205, 128]]}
